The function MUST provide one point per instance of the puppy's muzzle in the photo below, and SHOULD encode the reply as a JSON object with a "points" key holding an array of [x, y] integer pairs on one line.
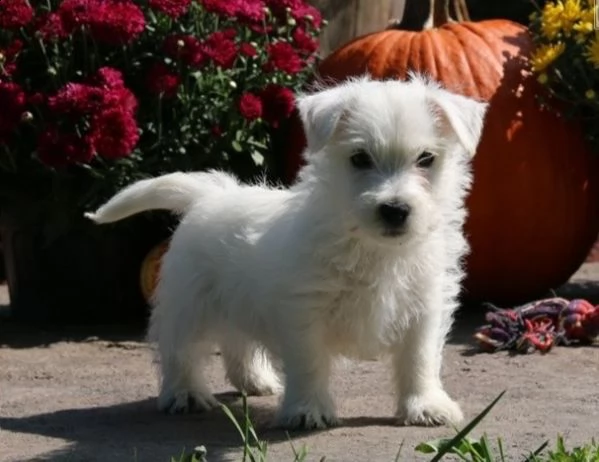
{"points": [[394, 215]]}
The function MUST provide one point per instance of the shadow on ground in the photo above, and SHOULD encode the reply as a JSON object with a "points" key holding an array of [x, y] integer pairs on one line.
{"points": [[150, 435]]}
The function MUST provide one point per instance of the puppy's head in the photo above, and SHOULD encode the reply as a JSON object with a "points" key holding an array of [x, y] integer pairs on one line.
{"points": [[390, 158]]}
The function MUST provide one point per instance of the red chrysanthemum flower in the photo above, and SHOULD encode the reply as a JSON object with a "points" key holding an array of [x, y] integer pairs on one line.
{"points": [[304, 41], [279, 7], [250, 11], [50, 27], [227, 8], [307, 13], [36, 99], [261, 28], [76, 99], [15, 13], [118, 23], [221, 49], [10, 54], [282, 56], [250, 106], [160, 80], [278, 104], [248, 49], [113, 22], [187, 48], [216, 131], [108, 77], [121, 97], [172, 8], [56, 149], [114, 133], [76, 13], [228, 33], [12, 102]]}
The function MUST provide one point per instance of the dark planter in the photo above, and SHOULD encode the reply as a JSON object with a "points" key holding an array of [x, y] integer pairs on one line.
{"points": [[72, 271]]}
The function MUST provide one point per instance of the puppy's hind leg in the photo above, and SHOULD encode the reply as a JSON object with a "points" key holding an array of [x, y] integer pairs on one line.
{"points": [[182, 352], [248, 366], [183, 388]]}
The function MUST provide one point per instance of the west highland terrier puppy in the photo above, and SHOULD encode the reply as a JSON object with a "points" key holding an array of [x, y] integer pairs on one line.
{"points": [[360, 258]]}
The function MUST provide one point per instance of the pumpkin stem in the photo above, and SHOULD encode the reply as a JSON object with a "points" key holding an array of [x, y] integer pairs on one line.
{"points": [[415, 17], [461, 10], [420, 15], [440, 10]]}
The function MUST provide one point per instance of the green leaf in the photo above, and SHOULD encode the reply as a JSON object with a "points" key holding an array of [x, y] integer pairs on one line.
{"points": [[456, 440], [237, 146]]}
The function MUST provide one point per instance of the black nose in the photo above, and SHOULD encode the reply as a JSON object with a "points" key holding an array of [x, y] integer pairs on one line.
{"points": [[394, 213]]}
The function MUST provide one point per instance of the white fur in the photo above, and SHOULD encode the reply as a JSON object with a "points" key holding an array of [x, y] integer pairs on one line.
{"points": [[311, 273]]}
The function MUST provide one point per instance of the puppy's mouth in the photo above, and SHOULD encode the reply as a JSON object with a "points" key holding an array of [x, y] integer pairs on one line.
{"points": [[393, 232]]}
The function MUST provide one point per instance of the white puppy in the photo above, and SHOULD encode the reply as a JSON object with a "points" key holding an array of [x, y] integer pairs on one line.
{"points": [[361, 257]]}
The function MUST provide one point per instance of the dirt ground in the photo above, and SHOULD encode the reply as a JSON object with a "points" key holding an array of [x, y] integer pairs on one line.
{"points": [[88, 395]]}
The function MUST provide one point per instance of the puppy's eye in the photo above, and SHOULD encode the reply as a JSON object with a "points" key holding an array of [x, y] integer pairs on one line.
{"points": [[361, 160], [425, 160]]}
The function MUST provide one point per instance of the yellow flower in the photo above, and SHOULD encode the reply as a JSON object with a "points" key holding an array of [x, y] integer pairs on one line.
{"points": [[551, 19], [544, 55], [592, 51], [585, 25], [560, 16], [590, 94]]}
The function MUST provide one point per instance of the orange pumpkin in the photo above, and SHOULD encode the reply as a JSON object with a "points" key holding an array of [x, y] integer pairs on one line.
{"points": [[533, 210], [150, 270]]}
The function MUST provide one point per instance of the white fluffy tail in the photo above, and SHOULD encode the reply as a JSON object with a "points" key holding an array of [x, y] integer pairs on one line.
{"points": [[176, 192]]}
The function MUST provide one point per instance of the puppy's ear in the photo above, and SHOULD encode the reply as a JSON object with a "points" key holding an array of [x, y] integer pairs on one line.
{"points": [[320, 113], [459, 116]]}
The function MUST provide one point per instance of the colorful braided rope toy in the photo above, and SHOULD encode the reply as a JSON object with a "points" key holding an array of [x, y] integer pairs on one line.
{"points": [[539, 325]]}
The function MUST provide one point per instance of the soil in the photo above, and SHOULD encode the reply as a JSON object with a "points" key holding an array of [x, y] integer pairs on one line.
{"points": [[88, 394]]}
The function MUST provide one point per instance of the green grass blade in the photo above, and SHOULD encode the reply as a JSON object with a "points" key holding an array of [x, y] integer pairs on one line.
{"points": [[232, 418], [539, 450], [485, 449], [501, 451], [466, 430]]}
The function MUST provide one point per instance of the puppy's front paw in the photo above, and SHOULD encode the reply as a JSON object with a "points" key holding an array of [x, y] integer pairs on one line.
{"points": [[429, 409], [306, 417]]}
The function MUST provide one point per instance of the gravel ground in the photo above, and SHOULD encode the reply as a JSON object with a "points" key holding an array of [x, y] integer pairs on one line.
{"points": [[83, 394]]}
